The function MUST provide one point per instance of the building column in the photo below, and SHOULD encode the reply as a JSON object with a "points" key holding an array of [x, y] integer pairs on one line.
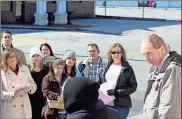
{"points": [[41, 15], [61, 13]]}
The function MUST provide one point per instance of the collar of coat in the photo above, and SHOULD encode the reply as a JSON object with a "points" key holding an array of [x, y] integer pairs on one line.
{"points": [[51, 78], [99, 61], [173, 56], [2, 48], [21, 69]]}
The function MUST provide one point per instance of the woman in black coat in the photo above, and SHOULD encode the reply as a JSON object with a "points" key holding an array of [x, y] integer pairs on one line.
{"points": [[37, 72], [120, 77]]}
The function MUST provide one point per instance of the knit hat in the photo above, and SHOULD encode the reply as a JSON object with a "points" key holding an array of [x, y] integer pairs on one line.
{"points": [[34, 51], [69, 53], [57, 62], [79, 93]]}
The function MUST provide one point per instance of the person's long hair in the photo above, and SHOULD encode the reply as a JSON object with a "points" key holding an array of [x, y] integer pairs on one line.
{"points": [[123, 58], [73, 70], [6, 54], [32, 66], [51, 73], [48, 46]]}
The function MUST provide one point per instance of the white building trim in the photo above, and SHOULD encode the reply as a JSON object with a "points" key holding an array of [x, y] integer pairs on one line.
{"points": [[41, 15], [61, 13]]}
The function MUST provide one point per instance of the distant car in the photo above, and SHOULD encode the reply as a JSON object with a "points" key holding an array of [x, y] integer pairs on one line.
{"points": [[146, 3]]}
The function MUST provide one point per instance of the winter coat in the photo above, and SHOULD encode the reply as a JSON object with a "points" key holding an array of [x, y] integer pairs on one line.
{"points": [[51, 90], [84, 68], [37, 100], [19, 106], [163, 96], [126, 85]]}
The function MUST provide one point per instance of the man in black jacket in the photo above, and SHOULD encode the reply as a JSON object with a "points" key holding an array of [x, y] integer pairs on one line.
{"points": [[81, 100]]}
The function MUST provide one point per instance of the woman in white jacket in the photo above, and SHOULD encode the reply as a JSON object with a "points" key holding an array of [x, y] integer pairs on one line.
{"points": [[16, 84]]}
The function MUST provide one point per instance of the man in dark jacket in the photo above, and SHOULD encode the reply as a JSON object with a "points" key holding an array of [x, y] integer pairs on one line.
{"points": [[81, 100]]}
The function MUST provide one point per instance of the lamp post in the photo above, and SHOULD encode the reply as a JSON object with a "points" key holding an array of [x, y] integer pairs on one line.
{"points": [[104, 4], [143, 9], [69, 14], [169, 4]]}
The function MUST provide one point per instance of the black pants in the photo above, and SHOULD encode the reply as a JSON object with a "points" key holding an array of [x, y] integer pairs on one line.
{"points": [[51, 117]]}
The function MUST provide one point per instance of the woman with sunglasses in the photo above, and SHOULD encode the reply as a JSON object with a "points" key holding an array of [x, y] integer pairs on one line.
{"points": [[17, 83], [120, 77]]}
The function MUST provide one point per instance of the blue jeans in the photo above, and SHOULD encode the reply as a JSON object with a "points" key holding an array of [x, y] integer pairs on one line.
{"points": [[123, 111], [60, 116]]}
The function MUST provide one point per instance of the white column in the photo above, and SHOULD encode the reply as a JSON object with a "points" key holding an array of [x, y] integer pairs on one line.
{"points": [[41, 15], [60, 14]]}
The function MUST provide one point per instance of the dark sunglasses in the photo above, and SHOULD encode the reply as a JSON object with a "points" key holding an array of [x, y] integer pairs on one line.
{"points": [[115, 52]]}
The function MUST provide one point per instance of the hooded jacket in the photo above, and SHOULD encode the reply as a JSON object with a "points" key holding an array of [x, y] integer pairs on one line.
{"points": [[163, 96], [81, 100]]}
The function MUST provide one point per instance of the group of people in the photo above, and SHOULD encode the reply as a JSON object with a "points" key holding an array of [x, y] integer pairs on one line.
{"points": [[26, 89]]}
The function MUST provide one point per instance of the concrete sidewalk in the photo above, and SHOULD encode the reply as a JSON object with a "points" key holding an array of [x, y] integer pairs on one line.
{"points": [[104, 32], [103, 26]]}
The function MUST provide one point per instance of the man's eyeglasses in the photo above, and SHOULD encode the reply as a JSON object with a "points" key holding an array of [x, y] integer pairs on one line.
{"points": [[115, 52]]}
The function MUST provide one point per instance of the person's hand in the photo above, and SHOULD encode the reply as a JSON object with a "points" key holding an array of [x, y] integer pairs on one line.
{"points": [[59, 98], [22, 90], [111, 92], [13, 94], [27, 89]]}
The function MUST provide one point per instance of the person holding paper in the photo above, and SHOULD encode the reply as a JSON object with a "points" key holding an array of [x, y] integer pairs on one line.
{"points": [[17, 83], [38, 72], [51, 87], [120, 77]]}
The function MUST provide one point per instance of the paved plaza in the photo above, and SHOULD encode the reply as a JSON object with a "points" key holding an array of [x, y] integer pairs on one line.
{"points": [[104, 32]]}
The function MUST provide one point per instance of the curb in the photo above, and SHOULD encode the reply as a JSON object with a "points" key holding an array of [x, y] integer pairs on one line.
{"points": [[83, 29], [131, 18], [134, 18], [36, 27]]}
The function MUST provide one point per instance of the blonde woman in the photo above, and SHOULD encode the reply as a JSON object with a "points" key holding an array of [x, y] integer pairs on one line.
{"points": [[38, 72], [17, 83]]}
